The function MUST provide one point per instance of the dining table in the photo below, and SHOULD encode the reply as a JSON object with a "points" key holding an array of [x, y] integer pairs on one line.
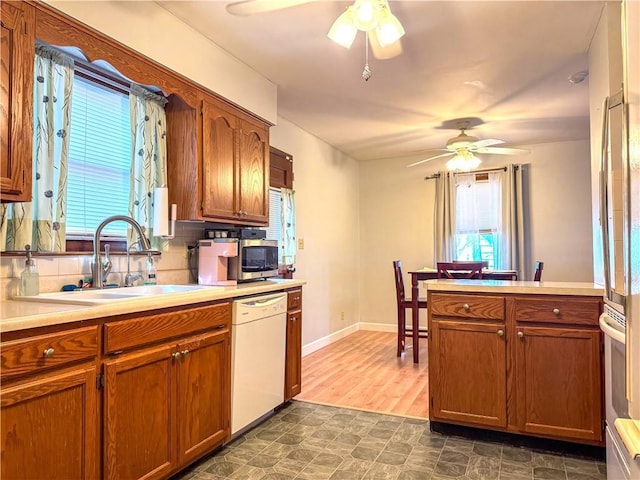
{"points": [[429, 273]]}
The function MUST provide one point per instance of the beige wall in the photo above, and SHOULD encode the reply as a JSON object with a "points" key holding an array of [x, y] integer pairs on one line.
{"points": [[327, 220], [396, 220]]}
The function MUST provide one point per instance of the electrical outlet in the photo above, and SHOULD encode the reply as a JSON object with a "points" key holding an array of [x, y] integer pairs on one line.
{"points": [[301, 244], [342, 316]]}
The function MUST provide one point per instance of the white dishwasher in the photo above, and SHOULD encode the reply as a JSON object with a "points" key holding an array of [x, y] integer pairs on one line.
{"points": [[257, 357]]}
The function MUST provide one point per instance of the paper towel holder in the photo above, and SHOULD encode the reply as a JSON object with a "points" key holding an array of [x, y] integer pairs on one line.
{"points": [[163, 227]]}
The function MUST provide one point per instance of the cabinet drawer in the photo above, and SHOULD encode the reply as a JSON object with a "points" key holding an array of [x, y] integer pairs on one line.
{"points": [[154, 327], [467, 306], [294, 300], [34, 354], [574, 311]]}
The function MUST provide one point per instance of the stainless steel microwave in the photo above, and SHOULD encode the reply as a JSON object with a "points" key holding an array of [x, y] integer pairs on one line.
{"points": [[257, 258]]}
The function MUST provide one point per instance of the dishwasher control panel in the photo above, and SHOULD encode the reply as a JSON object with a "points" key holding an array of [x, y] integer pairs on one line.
{"points": [[254, 308]]}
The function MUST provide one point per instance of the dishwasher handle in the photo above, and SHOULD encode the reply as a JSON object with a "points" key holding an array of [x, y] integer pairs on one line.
{"points": [[262, 302]]}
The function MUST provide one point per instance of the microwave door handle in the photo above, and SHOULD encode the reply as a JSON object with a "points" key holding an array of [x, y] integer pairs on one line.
{"points": [[604, 180]]}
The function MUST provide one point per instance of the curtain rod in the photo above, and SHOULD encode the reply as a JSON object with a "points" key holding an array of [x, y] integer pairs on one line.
{"points": [[504, 169]]}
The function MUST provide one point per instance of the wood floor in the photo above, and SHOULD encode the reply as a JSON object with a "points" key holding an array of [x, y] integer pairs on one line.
{"points": [[362, 371]]}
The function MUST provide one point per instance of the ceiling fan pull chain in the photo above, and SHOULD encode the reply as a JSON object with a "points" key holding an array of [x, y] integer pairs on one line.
{"points": [[366, 73]]}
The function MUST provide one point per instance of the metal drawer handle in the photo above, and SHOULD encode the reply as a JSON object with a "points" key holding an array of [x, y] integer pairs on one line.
{"points": [[501, 333], [48, 353], [520, 334], [556, 311], [466, 307]]}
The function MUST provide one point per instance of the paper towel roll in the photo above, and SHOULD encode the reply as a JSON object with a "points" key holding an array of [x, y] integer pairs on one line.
{"points": [[161, 211]]}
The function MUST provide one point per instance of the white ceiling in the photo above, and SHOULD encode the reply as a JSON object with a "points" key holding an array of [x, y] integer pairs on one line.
{"points": [[507, 62]]}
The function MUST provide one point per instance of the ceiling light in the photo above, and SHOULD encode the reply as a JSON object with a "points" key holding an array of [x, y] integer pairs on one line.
{"points": [[368, 16], [389, 29], [343, 31], [463, 161]]}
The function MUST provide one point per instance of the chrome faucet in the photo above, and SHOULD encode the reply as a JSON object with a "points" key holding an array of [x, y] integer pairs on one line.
{"points": [[129, 278], [99, 269]]}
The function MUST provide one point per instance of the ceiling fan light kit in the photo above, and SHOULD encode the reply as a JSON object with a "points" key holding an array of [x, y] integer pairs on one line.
{"points": [[464, 147], [367, 16]]}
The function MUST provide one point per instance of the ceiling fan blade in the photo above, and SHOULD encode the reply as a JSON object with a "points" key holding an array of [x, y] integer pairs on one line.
{"points": [[431, 158], [502, 150], [250, 7], [383, 53], [487, 142]]}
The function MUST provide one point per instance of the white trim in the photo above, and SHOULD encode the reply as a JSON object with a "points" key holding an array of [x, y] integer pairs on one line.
{"points": [[335, 336], [329, 339], [378, 327]]}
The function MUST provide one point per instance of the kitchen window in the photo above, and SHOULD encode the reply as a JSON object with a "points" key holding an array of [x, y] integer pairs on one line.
{"points": [[99, 158]]}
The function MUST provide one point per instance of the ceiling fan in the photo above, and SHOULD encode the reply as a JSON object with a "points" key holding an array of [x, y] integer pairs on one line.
{"points": [[465, 147], [252, 7]]}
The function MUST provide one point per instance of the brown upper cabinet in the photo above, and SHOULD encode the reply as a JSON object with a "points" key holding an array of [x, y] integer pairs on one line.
{"points": [[16, 99], [217, 153], [233, 166]]}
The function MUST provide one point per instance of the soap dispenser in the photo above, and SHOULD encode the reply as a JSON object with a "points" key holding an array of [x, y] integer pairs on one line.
{"points": [[30, 281], [151, 272]]}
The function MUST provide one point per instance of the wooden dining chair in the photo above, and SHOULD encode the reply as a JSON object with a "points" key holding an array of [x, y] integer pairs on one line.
{"points": [[537, 276], [403, 304], [461, 269]]}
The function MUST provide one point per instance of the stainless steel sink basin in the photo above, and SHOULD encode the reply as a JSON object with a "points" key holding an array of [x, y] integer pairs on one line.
{"points": [[108, 295]]}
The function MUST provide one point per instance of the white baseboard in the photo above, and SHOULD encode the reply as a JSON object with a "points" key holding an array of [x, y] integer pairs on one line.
{"points": [[329, 339], [378, 327], [335, 336]]}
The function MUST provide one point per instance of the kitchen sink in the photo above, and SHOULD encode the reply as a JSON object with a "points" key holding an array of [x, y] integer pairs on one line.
{"points": [[108, 295]]}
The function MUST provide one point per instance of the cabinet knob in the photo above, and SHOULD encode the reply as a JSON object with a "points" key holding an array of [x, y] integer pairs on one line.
{"points": [[501, 333], [466, 307], [556, 311], [177, 355], [520, 334], [185, 353], [48, 353]]}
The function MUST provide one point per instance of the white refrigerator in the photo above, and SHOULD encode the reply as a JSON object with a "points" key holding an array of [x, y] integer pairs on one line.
{"points": [[616, 166]]}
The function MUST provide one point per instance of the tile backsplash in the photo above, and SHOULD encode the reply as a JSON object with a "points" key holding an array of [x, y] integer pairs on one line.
{"points": [[56, 271]]}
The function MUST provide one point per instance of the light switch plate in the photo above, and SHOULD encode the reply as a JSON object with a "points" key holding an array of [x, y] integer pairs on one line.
{"points": [[301, 244]]}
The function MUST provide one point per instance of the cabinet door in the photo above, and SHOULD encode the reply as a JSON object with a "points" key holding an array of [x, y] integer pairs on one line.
{"points": [[467, 376], [254, 173], [138, 436], [219, 165], [558, 384], [293, 356], [49, 427], [17, 45], [203, 393]]}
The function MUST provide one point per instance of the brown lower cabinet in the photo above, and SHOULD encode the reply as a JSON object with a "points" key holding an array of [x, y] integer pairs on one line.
{"points": [[165, 406], [529, 364], [49, 405], [162, 380], [293, 356]]}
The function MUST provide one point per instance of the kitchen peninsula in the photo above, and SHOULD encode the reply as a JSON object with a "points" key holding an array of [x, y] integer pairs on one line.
{"points": [[138, 387], [518, 357]]}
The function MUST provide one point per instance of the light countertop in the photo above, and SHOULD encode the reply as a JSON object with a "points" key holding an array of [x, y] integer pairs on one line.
{"points": [[510, 286], [20, 314]]}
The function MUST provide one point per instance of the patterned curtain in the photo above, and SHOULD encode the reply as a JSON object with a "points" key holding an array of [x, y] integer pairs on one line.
{"points": [[288, 221], [148, 160], [41, 223]]}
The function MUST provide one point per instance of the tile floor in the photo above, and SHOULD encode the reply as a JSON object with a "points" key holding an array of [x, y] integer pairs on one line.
{"points": [[309, 441]]}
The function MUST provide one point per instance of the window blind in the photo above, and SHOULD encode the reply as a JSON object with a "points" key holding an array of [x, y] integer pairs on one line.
{"points": [[99, 159], [274, 230]]}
